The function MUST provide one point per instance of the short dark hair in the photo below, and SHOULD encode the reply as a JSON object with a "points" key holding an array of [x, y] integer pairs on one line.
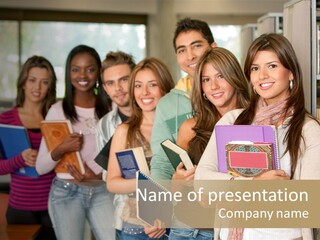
{"points": [[188, 24]]}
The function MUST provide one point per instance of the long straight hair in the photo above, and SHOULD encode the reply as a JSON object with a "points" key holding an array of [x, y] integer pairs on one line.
{"points": [[279, 45], [103, 103], [37, 62], [206, 114], [165, 82]]}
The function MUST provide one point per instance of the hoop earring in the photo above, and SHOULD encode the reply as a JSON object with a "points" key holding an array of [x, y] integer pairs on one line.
{"points": [[204, 96], [291, 84]]}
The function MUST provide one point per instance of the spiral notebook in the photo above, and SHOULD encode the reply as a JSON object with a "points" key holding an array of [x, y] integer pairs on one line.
{"points": [[150, 211]]}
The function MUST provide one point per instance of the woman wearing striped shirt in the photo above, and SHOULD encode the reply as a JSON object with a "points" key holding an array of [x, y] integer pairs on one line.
{"points": [[28, 198]]}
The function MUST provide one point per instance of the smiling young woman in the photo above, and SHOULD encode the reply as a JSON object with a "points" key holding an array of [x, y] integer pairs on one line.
{"points": [[149, 81], [76, 198], [274, 72]]}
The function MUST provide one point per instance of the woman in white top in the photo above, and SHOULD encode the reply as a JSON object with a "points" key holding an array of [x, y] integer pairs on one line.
{"points": [[75, 198], [276, 80]]}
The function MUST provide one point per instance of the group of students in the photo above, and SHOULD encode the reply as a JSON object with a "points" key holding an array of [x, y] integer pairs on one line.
{"points": [[123, 105]]}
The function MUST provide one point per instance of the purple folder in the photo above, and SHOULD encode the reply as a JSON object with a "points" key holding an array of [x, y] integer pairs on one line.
{"points": [[253, 133]]}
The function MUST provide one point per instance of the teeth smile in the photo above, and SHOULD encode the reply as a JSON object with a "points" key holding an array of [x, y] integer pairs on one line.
{"points": [[265, 84], [83, 83], [146, 100]]}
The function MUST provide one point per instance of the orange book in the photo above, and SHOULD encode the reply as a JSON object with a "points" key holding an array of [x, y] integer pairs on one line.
{"points": [[54, 132]]}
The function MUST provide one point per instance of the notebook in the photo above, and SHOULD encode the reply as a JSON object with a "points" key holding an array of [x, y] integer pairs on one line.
{"points": [[150, 211], [13, 140], [252, 133]]}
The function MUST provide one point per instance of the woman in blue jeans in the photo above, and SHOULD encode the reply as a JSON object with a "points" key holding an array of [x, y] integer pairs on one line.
{"points": [[75, 197], [219, 86], [149, 81]]}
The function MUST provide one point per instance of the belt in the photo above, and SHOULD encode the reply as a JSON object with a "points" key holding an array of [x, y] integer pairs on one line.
{"points": [[77, 187]]}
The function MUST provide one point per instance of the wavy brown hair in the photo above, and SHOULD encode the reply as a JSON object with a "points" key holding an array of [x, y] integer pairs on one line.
{"points": [[37, 62], [165, 83], [206, 114], [286, 55]]}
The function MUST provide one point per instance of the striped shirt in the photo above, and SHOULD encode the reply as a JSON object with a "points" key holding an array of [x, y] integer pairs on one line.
{"points": [[26, 193]]}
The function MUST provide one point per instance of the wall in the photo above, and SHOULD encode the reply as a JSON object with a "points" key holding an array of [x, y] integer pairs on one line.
{"points": [[163, 14]]}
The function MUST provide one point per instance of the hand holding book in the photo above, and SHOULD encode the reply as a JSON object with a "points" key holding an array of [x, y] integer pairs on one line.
{"points": [[63, 144], [14, 140], [29, 156], [182, 174], [71, 143]]}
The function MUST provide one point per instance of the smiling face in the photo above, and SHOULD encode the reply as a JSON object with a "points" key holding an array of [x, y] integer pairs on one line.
{"points": [[190, 46], [84, 72], [217, 89], [116, 84], [37, 84], [269, 77], [147, 92]]}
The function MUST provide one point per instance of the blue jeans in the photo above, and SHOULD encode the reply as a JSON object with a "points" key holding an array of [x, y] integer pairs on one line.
{"points": [[71, 204], [181, 231], [141, 236], [190, 233]]}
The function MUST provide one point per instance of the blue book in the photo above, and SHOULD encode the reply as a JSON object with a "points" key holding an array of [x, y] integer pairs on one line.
{"points": [[131, 160], [13, 140]]}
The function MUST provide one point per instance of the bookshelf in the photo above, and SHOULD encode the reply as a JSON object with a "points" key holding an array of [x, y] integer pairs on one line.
{"points": [[270, 23], [247, 34], [300, 27]]}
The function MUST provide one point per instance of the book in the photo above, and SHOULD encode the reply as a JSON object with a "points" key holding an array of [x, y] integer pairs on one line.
{"points": [[102, 157], [148, 210], [54, 133], [176, 154], [253, 133], [132, 160], [13, 140], [249, 159]]}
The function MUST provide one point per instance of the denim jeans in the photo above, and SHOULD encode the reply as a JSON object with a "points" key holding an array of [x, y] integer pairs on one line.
{"points": [[71, 204], [181, 231], [190, 234], [141, 236]]}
